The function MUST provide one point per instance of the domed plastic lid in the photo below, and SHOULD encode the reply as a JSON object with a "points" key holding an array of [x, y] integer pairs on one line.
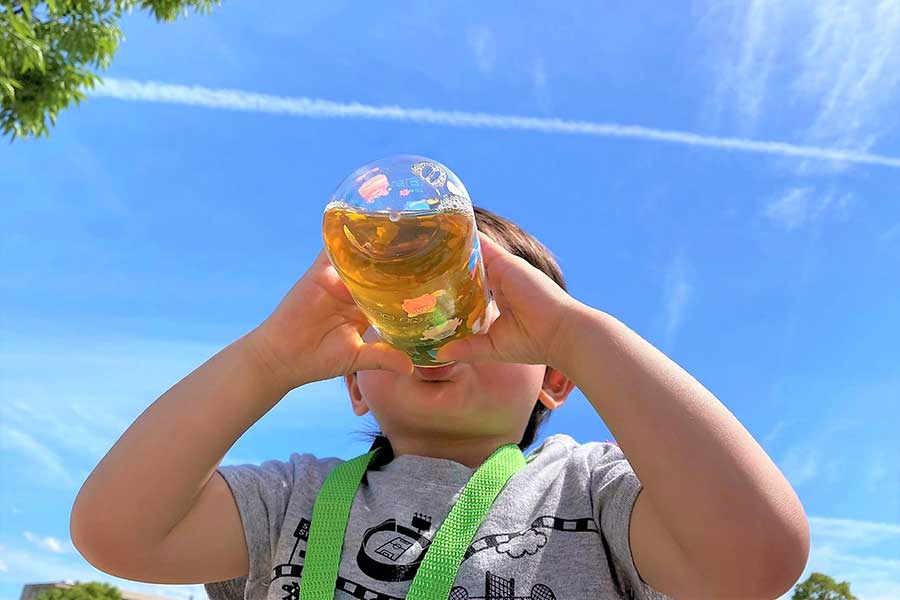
{"points": [[402, 184]]}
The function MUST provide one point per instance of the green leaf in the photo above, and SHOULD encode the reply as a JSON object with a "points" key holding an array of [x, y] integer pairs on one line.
{"points": [[50, 51]]}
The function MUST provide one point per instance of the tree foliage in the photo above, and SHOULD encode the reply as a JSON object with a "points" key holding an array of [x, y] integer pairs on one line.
{"points": [[82, 591], [50, 51], [819, 586]]}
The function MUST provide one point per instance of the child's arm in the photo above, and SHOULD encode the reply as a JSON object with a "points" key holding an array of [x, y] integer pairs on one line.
{"points": [[715, 518], [155, 509]]}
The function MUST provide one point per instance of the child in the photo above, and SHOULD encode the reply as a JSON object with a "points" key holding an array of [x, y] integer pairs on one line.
{"points": [[687, 506]]}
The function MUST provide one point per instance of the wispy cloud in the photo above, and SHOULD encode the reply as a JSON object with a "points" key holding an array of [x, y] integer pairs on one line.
{"points": [[151, 91], [890, 233], [854, 551], [677, 294], [870, 577], [29, 565], [851, 69], [877, 472], [481, 43], [50, 467], [755, 59], [851, 530], [801, 205], [836, 62], [800, 463], [49, 543], [790, 209], [774, 433]]}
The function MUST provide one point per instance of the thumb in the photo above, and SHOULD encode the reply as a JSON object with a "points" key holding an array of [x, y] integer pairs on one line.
{"points": [[381, 355], [472, 348]]}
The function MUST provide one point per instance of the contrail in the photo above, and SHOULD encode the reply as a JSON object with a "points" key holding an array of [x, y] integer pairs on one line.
{"points": [[152, 91]]}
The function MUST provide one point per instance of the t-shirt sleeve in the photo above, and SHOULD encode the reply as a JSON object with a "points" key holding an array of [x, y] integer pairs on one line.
{"points": [[262, 493], [614, 489]]}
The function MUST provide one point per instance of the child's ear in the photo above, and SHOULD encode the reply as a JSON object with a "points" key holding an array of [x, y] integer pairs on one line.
{"points": [[556, 388], [357, 402]]}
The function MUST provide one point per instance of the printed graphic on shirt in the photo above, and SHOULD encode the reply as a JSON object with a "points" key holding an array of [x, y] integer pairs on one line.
{"points": [[391, 551], [498, 588], [495, 588]]}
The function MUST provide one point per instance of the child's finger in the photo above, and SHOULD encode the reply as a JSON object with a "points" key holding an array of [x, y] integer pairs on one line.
{"points": [[491, 250], [322, 258], [380, 355], [473, 348]]}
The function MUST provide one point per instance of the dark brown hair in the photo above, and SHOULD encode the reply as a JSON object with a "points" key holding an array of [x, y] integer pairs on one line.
{"points": [[522, 244]]}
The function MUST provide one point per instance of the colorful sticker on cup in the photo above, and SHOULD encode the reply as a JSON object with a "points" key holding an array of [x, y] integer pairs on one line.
{"points": [[444, 330], [423, 204], [374, 188], [422, 304], [411, 184], [430, 173]]}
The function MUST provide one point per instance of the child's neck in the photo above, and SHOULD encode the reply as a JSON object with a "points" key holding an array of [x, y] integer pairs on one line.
{"points": [[471, 452]]}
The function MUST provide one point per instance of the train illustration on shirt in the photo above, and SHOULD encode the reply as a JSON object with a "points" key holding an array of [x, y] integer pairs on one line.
{"points": [[392, 551]]}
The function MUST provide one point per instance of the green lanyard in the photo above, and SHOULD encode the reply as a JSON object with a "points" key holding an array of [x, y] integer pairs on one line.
{"points": [[443, 556]]}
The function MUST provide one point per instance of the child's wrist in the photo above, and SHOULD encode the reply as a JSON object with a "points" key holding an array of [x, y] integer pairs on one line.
{"points": [[580, 321], [266, 361]]}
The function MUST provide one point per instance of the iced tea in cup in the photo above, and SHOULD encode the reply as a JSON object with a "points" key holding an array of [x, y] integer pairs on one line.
{"points": [[401, 233]]}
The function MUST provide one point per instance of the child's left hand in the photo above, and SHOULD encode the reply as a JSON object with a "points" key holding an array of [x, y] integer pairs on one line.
{"points": [[534, 314]]}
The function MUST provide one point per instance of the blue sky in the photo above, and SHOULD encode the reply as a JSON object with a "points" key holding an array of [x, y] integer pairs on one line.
{"points": [[158, 224]]}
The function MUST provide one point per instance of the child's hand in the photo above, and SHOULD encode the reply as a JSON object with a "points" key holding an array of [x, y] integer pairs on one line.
{"points": [[316, 332], [533, 319]]}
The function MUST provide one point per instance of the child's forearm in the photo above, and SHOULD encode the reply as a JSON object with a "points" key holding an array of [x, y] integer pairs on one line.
{"points": [[149, 479], [722, 498]]}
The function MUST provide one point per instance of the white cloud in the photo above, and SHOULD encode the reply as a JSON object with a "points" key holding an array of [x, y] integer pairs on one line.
{"points": [[3, 567], [836, 61], [851, 530], [481, 43], [774, 433], [49, 466], [677, 294], [40, 566], [125, 89], [854, 551], [76, 432], [539, 74], [890, 233], [756, 57], [800, 464], [851, 70], [790, 210], [47, 543], [877, 472], [802, 205]]}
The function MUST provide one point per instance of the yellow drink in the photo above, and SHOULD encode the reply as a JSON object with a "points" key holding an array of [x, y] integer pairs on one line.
{"points": [[417, 276]]}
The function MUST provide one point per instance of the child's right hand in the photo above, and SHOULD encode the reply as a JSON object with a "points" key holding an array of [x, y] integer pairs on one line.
{"points": [[316, 332]]}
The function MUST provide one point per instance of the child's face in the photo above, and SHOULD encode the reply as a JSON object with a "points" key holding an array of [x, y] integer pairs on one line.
{"points": [[478, 399]]}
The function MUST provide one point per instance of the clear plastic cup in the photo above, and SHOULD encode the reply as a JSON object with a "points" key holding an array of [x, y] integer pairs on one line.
{"points": [[401, 233]]}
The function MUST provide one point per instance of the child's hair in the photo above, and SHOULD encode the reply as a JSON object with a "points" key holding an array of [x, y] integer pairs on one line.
{"points": [[518, 242]]}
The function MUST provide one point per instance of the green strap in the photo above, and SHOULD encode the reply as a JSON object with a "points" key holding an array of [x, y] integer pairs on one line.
{"points": [[435, 575], [438, 568], [329, 523]]}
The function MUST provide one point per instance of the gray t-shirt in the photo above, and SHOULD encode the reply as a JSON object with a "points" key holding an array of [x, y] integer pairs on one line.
{"points": [[557, 531]]}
